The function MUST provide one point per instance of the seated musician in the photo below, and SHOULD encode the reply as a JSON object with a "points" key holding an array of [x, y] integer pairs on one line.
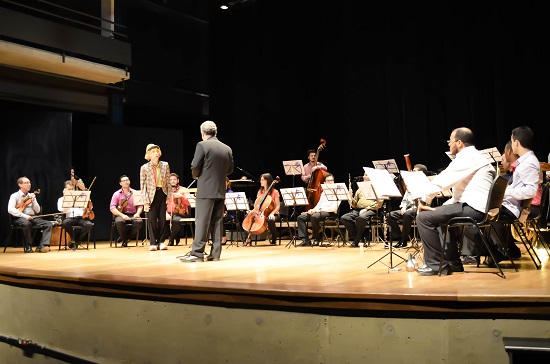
{"points": [[73, 217], [404, 216], [266, 181], [177, 207], [125, 212], [324, 208], [362, 210], [22, 206]]}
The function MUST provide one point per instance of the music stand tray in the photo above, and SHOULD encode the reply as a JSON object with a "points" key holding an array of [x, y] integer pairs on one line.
{"points": [[383, 185], [295, 196], [236, 201]]}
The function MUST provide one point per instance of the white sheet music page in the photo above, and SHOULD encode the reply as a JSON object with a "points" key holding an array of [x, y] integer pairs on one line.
{"points": [[383, 183], [418, 184], [367, 189], [335, 191]]}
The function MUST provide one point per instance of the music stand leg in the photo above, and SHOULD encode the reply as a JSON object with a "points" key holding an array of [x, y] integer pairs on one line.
{"points": [[292, 241], [146, 240], [391, 253], [239, 231]]}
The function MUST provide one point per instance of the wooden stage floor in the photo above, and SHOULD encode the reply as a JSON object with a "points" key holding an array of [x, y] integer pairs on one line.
{"points": [[334, 280]]}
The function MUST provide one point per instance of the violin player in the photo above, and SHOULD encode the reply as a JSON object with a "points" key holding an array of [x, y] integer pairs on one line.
{"points": [[154, 179], [211, 164], [177, 207], [23, 207], [73, 217], [77, 181], [125, 212]]}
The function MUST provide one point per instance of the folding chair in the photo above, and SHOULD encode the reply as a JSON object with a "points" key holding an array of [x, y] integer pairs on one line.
{"points": [[494, 202]]}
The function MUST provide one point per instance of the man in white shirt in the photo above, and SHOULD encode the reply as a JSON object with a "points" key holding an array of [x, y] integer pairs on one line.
{"points": [[470, 175], [324, 208]]}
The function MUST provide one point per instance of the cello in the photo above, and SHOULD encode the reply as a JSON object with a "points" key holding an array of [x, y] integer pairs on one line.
{"points": [[314, 188], [255, 222]]}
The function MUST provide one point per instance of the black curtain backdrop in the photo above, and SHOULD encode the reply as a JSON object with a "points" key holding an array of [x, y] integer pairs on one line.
{"points": [[35, 143], [115, 151], [376, 80]]}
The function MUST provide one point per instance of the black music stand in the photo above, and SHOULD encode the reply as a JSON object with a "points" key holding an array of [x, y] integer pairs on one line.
{"points": [[385, 188], [72, 200], [236, 201], [492, 155], [295, 196]]}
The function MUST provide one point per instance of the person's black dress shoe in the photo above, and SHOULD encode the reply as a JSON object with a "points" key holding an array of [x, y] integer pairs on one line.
{"points": [[456, 266], [28, 249], [212, 259], [401, 244], [305, 243], [315, 243]]}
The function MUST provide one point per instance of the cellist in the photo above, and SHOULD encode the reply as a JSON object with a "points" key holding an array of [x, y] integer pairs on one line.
{"points": [[272, 215], [177, 207]]}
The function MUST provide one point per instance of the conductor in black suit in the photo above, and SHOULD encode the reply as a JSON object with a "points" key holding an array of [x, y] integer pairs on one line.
{"points": [[212, 163]]}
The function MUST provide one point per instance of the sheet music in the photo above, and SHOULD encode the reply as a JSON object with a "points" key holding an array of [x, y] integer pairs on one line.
{"points": [[367, 189], [387, 164], [236, 201], [138, 198], [383, 183], [76, 199], [336, 191], [418, 184], [191, 198], [492, 154], [294, 196], [451, 156], [293, 168]]}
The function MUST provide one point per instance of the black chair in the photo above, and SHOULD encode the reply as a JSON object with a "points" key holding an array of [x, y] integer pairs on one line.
{"points": [[332, 224], [13, 231], [494, 202], [116, 241], [537, 225], [72, 244], [521, 232]]}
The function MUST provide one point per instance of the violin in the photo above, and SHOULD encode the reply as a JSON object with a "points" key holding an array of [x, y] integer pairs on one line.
{"points": [[88, 212], [122, 205], [179, 205], [27, 200], [255, 222]]}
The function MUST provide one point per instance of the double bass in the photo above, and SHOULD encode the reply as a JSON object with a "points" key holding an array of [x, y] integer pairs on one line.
{"points": [[314, 188], [255, 222]]}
